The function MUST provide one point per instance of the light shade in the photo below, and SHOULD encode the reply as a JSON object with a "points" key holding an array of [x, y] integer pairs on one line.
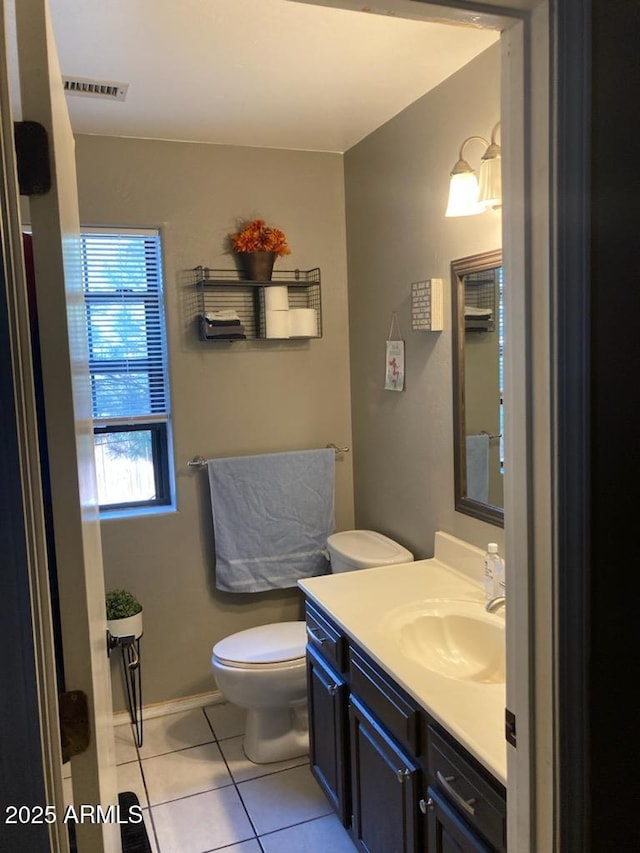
{"points": [[490, 189], [463, 195], [463, 185]]}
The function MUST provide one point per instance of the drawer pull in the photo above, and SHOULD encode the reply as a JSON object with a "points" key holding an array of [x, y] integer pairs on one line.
{"points": [[315, 634], [467, 805], [401, 775], [426, 805], [333, 689]]}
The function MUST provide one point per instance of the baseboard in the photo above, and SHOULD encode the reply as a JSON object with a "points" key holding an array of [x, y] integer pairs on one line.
{"points": [[174, 706]]}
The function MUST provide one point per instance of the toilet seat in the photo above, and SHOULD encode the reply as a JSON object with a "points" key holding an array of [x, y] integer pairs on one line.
{"points": [[265, 647]]}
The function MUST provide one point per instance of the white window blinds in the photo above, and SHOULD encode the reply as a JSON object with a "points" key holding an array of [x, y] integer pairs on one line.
{"points": [[125, 326]]}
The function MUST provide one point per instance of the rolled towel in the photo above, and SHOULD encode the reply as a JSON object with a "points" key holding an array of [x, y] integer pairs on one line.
{"points": [[223, 315], [477, 313]]}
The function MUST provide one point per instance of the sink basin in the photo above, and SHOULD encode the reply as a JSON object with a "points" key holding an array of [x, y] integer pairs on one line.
{"points": [[456, 639]]}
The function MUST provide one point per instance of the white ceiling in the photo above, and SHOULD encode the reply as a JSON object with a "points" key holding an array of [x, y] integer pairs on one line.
{"points": [[269, 73]]}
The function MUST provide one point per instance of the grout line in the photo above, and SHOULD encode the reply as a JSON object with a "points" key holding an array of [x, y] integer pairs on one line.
{"points": [[301, 823], [210, 724], [271, 772], [171, 751], [137, 760], [154, 830], [235, 785], [191, 796]]}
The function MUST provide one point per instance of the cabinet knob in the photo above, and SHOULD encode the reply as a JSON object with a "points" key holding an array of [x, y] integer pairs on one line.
{"points": [[426, 805], [333, 689], [401, 775]]}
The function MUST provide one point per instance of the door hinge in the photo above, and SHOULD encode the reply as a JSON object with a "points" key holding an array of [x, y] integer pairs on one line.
{"points": [[32, 157], [74, 723], [510, 727]]}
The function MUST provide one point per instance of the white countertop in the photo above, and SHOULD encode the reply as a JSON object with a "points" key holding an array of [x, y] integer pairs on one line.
{"points": [[358, 601]]}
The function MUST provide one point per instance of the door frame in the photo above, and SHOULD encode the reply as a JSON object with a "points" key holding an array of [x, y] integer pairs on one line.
{"points": [[33, 712], [55, 226]]}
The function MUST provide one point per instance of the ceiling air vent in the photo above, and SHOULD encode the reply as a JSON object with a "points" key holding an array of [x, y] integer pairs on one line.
{"points": [[95, 88]]}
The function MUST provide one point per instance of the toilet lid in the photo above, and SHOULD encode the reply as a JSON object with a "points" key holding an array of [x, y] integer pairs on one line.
{"points": [[276, 643], [367, 548]]}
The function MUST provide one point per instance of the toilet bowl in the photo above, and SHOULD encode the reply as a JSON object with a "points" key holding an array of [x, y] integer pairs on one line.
{"points": [[263, 669]]}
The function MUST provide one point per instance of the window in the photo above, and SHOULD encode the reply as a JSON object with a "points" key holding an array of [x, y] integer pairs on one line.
{"points": [[122, 280]]}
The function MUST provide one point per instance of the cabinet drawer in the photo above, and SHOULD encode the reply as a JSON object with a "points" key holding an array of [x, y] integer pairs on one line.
{"points": [[325, 637], [473, 796], [384, 700]]}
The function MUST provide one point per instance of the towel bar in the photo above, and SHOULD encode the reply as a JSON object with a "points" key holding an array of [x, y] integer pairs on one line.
{"points": [[197, 462], [201, 462], [337, 449]]}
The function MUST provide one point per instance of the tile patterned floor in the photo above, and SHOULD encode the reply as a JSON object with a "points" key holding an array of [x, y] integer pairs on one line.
{"points": [[200, 793]]}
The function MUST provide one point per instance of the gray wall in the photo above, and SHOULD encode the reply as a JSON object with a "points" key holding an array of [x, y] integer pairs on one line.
{"points": [[241, 398], [396, 189]]}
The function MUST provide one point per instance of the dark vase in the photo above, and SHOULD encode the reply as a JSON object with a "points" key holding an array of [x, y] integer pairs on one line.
{"points": [[256, 266]]}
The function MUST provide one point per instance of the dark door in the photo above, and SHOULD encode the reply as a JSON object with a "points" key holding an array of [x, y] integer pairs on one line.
{"points": [[384, 788], [328, 733]]}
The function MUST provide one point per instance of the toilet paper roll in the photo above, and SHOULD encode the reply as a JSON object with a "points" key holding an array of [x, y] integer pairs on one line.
{"points": [[302, 323], [276, 298], [277, 324]]}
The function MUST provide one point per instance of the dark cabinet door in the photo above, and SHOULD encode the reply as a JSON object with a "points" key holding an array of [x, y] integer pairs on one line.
{"points": [[384, 788], [447, 831], [327, 694]]}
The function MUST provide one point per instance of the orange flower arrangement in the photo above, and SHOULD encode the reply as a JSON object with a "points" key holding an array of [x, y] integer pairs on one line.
{"points": [[256, 236]]}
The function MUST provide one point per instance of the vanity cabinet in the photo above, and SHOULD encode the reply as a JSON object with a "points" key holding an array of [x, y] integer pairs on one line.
{"points": [[396, 778]]}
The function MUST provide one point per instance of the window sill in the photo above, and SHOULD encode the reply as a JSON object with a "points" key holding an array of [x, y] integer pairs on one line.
{"points": [[136, 512]]}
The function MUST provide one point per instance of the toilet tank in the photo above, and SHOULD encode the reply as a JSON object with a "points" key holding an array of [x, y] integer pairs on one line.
{"points": [[364, 549]]}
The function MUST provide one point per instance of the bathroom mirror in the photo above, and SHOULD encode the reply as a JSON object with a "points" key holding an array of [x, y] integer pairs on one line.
{"points": [[478, 423]]}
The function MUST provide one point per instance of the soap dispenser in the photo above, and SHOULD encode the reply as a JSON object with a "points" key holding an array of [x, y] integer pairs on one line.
{"points": [[498, 577], [491, 560]]}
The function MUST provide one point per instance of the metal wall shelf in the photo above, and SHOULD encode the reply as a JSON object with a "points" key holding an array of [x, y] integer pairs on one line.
{"points": [[480, 293], [218, 290]]}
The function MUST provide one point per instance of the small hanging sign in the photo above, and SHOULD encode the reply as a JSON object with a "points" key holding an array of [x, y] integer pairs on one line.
{"points": [[394, 377]]}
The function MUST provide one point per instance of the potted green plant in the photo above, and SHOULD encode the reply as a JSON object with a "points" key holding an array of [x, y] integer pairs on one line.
{"points": [[124, 614]]}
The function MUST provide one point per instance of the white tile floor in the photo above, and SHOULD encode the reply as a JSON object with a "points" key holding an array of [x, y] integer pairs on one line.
{"points": [[200, 793]]}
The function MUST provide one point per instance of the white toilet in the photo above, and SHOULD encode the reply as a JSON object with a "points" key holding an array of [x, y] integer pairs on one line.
{"points": [[263, 669]]}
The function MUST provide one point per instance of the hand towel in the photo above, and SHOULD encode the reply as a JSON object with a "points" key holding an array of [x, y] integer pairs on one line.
{"points": [[478, 467]]}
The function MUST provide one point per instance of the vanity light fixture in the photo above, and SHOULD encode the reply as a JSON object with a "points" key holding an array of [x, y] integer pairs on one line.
{"points": [[467, 197]]}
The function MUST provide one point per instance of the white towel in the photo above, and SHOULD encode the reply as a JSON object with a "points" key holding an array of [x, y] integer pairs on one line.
{"points": [[272, 515], [478, 468]]}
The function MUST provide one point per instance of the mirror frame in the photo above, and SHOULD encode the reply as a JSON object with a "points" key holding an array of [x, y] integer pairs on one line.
{"points": [[460, 268]]}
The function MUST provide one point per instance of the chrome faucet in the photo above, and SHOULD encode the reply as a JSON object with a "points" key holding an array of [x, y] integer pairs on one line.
{"points": [[492, 605]]}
